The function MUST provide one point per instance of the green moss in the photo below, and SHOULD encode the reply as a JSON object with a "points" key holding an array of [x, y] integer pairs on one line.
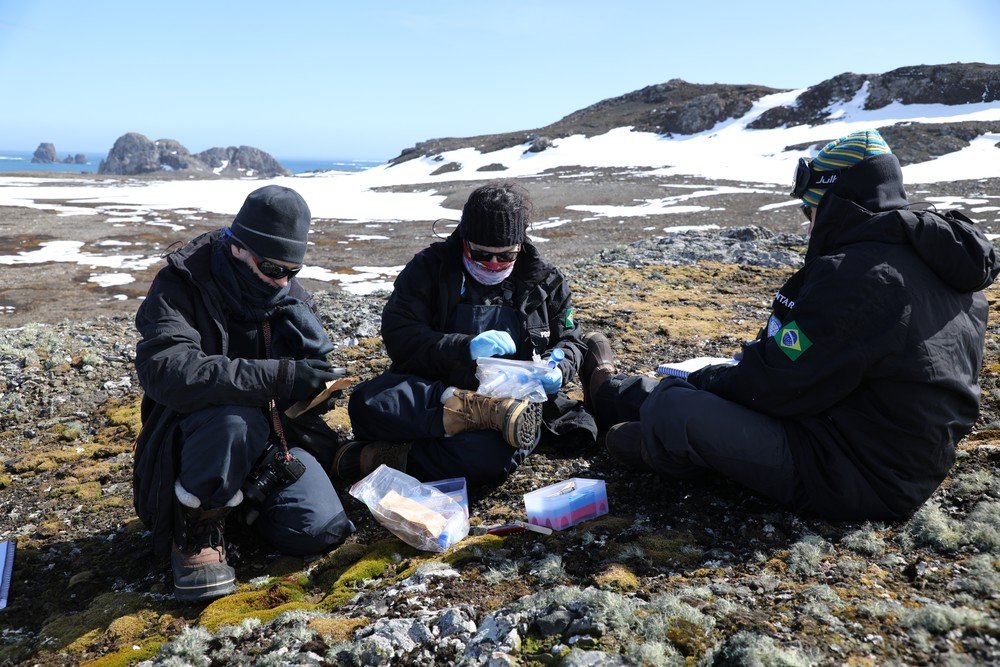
{"points": [[5, 481], [373, 563], [126, 415], [472, 549], [337, 629], [147, 648], [619, 577], [261, 604], [104, 609], [677, 549]]}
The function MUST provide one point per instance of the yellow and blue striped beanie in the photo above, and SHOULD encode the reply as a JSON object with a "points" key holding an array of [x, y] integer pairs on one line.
{"points": [[844, 153]]}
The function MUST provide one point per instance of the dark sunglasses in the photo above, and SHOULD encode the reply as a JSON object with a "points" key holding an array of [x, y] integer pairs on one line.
{"points": [[265, 266], [807, 179], [478, 255]]}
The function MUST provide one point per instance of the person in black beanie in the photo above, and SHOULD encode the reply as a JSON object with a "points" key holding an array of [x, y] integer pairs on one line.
{"points": [[483, 292], [852, 398], [229, 340]]}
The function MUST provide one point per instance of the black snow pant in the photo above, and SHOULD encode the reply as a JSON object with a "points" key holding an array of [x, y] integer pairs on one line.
{"points": [[221, 445], [687, 431], [405, 408]]}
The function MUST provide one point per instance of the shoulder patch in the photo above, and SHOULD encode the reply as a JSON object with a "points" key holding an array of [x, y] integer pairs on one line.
{"points": [[568, 319], [792, 341], [773, 325]]}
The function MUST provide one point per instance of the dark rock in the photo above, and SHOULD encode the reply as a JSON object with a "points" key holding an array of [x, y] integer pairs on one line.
{"points": [[242, 161], [554, 623], [538, 145], [956, 83], [446, 168], [79, 158], [495, 166], [661, 108], [44, 154], [134, 154], [131, 154]]}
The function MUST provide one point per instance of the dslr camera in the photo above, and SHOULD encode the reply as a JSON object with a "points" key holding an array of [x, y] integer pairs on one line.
{"points": [[272, 473]]}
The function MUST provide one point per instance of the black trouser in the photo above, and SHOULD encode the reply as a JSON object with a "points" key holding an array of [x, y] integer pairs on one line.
{"points": [[405, 408], [687, 431], [220, 447]]}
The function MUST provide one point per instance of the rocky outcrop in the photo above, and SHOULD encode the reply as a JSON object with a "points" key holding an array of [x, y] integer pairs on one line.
{"points": [[681, 108], [133, 154], [79, 158], [44, 154], [242, 161], [956, 83], [674, 107]]}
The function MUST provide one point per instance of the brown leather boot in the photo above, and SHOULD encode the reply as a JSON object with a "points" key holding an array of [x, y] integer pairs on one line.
{"points": [[624, 444], [519, 421], [198, 557], [598, 365], [356, 459]]}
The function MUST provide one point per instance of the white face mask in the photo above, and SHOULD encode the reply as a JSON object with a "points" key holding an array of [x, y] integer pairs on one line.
{"points": [[484, 276]]}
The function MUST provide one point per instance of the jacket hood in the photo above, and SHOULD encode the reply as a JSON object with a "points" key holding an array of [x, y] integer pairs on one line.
{"points": [[948, 243], [875, 184]]}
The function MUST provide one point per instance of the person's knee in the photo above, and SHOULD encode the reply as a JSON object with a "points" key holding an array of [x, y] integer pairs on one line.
{"points": [[306, 517]]}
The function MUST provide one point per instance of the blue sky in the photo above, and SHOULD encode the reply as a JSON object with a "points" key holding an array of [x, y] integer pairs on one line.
{"points": [[366, 79]]}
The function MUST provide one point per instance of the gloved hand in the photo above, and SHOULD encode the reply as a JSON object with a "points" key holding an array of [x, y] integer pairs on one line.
{"points": [[492, 344], [552, 380], [311, 376]]}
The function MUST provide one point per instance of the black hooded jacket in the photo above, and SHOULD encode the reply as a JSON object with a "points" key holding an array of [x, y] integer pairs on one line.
{"points": [[415, 320], [873, 349], [184, 363]]}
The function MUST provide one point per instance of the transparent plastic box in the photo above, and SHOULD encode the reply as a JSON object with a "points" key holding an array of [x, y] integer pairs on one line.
{"points": [[565, 504], [455, 489]]}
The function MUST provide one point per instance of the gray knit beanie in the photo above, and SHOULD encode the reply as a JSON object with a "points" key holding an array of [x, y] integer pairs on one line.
{"points": [[496, 215], [274, 223]]}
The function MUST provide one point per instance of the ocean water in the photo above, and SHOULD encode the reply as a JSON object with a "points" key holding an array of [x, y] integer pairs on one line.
{"points": [[20, 161]]}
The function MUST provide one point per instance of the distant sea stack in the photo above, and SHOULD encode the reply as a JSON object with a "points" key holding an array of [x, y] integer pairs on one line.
{"points": [[681, 108], [133, 154], [44, 154]]}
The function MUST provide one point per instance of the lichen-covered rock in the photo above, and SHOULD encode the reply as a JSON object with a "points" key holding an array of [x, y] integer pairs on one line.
{"points": [[134, 154]]}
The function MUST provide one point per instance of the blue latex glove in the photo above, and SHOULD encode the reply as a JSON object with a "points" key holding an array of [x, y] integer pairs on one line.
{"points": [[492, 344], [552, 380]]}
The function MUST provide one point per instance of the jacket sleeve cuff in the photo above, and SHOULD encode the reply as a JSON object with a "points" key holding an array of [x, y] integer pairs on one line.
{"points": [[286, 376]]}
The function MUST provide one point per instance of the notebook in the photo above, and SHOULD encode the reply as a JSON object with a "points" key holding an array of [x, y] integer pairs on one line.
{"points": [[682, 369], [6, 570]]}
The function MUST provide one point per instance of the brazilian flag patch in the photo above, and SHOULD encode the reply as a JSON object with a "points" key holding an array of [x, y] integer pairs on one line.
{"points": [[568, 318], [792, 341]]}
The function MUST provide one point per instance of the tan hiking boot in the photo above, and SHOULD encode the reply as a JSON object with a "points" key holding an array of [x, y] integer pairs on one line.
{"points": [[598, 365], [356, 459], [198, 556], [519, 421]]}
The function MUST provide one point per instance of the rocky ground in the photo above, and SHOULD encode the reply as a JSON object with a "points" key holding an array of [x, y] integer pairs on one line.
{"points": [[700, 573], [53, 291]]}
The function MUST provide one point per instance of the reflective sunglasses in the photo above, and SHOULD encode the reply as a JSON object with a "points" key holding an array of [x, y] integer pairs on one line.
{"points": [[807, 179], [265, 266], [478, 255]]}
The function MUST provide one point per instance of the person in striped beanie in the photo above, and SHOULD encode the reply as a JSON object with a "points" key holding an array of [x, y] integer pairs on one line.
{"points": [[851, 400]]}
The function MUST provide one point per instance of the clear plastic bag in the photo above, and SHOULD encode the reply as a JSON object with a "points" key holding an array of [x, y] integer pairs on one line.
{"points": [[509, 378], [416, 513]]}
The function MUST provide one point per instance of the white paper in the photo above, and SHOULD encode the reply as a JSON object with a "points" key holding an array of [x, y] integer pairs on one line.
{"points": [[682, 369]]}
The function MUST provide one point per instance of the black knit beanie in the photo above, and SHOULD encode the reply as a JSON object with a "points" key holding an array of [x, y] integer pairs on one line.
{"points": [[274, 223], [496, 215]]}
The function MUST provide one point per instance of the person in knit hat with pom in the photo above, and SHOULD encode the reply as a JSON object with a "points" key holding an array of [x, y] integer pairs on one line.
{"points": [[483, 292], [850, 401]]}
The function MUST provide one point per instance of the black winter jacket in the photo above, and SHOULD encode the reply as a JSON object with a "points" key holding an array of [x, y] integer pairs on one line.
{"points": [[871, 355], [182, 364], [416, 316]]}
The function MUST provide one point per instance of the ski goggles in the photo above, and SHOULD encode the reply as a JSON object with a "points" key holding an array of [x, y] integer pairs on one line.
{"points": [[272, 270], [807, 179], [486, 256]]}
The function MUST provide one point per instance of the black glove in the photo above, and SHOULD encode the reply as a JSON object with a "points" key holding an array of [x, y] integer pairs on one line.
{"points": [[311, 376]]}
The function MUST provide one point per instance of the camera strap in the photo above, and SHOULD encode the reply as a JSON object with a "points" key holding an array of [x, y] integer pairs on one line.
{"points": [[272, 405]]}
